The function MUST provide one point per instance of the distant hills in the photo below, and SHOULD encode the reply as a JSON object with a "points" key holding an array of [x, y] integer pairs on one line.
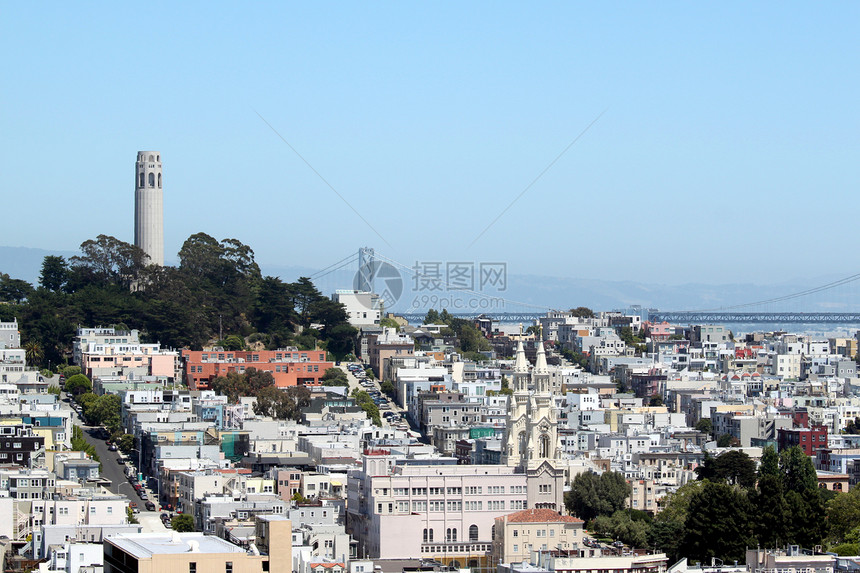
{"points": [[26, 263], [542, 291]]}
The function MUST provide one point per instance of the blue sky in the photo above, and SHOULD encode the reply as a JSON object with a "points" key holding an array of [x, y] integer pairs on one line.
{"points": [[728, 147]]}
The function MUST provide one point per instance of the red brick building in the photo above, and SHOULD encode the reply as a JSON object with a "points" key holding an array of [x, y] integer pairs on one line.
{"points": [[810, 440], [289, 366]]}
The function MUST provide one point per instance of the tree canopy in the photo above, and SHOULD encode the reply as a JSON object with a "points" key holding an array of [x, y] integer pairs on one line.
{"points": [[592, 495], [216, 288]]}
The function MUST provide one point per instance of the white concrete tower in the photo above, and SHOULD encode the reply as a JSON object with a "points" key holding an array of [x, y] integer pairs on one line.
{"points": [[149, 206]]}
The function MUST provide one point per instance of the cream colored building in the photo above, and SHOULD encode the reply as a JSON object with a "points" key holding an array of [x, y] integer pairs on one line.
{"points": [[173, 552], [518, 534]]}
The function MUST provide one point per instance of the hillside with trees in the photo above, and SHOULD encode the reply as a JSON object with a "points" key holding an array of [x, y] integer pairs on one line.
{"points": [[216, 288]]}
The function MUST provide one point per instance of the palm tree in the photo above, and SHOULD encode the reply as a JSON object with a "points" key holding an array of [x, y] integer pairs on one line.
{"points": [[33, 352]]}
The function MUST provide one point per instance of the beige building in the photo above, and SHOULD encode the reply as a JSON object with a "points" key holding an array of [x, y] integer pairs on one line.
{"points": [[173, 552], [518, 534], [383, 347]]}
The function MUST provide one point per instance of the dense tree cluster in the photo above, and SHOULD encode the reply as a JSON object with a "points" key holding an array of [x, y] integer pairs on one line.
{"points": [[733, 506], [284, 404], [592, 495], [217, 287]]}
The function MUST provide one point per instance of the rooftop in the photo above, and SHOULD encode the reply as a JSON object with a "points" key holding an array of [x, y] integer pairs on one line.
{"points": [[541, 516], [145, 545]]}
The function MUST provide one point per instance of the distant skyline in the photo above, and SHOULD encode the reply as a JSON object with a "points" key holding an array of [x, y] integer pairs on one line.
{"points": [[727, 152]]}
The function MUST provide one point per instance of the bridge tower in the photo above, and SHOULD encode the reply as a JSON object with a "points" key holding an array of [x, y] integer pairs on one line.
{"points": [[366, 269]]}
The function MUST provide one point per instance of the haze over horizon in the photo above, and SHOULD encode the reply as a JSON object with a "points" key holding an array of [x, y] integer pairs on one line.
{"points": [[726, 153]]}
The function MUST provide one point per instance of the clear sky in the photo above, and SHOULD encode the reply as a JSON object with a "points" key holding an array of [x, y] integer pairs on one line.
{"points": [[728, 148]]}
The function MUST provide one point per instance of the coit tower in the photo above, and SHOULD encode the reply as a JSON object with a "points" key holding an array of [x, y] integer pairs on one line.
{"points": [[148, 206]]}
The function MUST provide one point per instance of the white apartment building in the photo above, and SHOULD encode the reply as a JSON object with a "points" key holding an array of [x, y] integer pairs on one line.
{"points": [[362, 308]]}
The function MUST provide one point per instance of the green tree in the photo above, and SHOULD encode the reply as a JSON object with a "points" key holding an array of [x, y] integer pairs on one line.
{"points": [[667, 536], [726, 441], [389, 323], [388, 388], [806, 517], [772, 515], [182, 523], [232, 342], [769, 465], [77, 385], [14, 290], [69, 371], [107, 260], [365, 402], [33, 353], [432, 317], [592, 495], [341, 339], [582, 312], [705, 426], [734, 467], [718, 524], [843, 515], [798, 472], [54, 274], [334, 377], [126, 443]]}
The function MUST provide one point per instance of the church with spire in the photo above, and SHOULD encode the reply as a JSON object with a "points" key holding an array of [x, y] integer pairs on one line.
{"points": [[531, 432]]}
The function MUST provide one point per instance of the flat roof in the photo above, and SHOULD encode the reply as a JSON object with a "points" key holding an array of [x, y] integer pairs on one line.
{"points": [[145, 545]]}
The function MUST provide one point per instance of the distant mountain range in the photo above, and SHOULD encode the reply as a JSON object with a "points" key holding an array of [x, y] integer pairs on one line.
{"points": [[540, 291]]}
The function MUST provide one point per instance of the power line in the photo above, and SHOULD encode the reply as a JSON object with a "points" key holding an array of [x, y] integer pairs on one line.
{"points": [[813, 290], [319, 272], [478, 294]]}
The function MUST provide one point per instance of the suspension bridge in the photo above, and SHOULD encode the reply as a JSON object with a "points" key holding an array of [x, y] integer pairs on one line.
{"points": [[468, 290]]}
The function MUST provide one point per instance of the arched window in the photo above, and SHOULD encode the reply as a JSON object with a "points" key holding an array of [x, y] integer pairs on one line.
{"points": [[544, 446], [159, 180], [473, 532], [473, 563], [522, 443], [158, 158], [152, 179], [426, 537], [150, 157], [142, 180]]}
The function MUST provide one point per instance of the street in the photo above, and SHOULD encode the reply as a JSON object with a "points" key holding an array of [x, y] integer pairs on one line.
{"points": [[115, 472]]}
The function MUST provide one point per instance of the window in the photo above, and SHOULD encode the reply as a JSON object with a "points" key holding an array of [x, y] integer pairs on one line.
{"points": [[516, 548], [192, 567], [228, 567], [473, 532], [152, 179], [428, 535]]}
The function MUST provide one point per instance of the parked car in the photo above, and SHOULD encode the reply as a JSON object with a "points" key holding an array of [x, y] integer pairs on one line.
{"points": [[142, 495], [149, 506], [112, 447]]}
